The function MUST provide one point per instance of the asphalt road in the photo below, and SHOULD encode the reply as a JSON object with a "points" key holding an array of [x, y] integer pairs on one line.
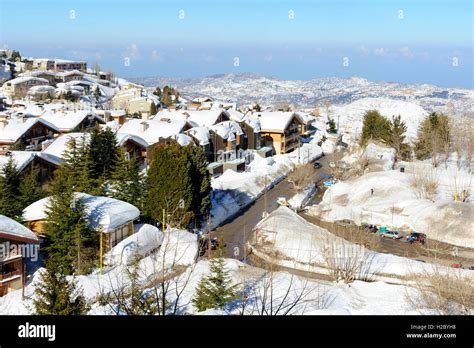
{"points": [[237, 231]]}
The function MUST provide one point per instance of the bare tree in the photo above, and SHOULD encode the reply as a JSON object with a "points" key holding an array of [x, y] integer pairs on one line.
{"points": [[424, 181], [301, 177], [448, 292]]}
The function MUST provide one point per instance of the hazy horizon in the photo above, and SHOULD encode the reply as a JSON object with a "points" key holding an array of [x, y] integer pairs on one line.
{"points": [[423, 41]]}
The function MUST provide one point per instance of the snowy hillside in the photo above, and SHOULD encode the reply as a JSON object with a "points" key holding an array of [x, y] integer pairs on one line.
{"points": [[245, 88]]}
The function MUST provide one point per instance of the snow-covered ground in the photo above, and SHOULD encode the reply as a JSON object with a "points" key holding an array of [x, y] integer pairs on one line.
{"points": [[233, 191], [397, 202], [289, 240]]}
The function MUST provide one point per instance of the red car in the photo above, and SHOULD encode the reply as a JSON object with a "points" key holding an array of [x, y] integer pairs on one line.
{"points": [[456, 265]]}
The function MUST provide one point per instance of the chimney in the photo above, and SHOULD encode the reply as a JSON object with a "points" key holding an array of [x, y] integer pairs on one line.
{"points": [[107, 116], [143, 126], [145, 116]]}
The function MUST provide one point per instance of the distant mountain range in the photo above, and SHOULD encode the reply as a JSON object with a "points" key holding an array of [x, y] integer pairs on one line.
{"points": [[247, 88]]}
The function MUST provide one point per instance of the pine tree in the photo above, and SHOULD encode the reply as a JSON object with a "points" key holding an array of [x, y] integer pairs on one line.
{"points": [[97, 93], [56, 295], [375, 127], [332, 126], [153, 110], [215, 290], [157, 92], [71, 244], [103, 152], [170, 185], [9, 190], [201, 181], [128, 183], [30, 190], [396, 139]]}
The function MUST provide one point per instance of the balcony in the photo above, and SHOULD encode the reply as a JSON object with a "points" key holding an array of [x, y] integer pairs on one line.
{"points": [[4, 277]]}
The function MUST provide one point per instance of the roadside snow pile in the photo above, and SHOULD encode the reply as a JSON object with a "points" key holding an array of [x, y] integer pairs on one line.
{"points": [[378, 157], [300, 199], [399, 201], [233, 191], [146, 239], [286, 239]]}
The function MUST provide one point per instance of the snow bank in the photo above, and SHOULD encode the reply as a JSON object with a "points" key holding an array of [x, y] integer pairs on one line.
{"points": [[146, 239], [380, 158], [397, 204]]}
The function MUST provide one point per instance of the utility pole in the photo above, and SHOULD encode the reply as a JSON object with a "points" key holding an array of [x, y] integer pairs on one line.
{"points": [[243, 246], [209, 236], [101, 251], [163, 225], [265, 195], [299, 147]]}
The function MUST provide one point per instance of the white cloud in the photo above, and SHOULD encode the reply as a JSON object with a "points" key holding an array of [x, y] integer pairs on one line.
{"points": [[156, 56], [406, 52], [362, 49], [132, 51], [381, 52]]}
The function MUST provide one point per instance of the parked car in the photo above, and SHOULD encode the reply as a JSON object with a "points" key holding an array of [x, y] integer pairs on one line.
{"points": [[456, 265], [416, 237], [332, 164], [317, 165], [471, 268], [391, 234], [371, 228]]}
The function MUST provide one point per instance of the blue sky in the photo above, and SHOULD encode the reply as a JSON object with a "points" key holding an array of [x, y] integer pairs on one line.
{"points": [[424, 41]]}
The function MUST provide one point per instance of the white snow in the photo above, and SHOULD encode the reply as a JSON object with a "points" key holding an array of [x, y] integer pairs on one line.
{"points": [[145, 239], [21, 158], [153, 130], [66, 120], [11, 228], [103, 212]]}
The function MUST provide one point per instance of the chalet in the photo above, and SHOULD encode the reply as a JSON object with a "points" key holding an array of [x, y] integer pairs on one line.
{"points": [[202, 137], [226, 144], [197, 102], [26, 160], [16, 242], [67, 76], [72, 121], [26, 132], [69, 65], [134, 146], [135, 101], [206, 118], [43, 64], [19, 87], [112, 217], [280, 130], [43, 74], [55, 150], [307, 127], [154, 130]]}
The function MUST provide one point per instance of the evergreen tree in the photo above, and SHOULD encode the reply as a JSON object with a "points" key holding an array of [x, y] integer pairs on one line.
{"points": [[70, 243], [30, 190], [170, 185], [153, 110], [103, 152], [55, 295], [434, 136], [201, 181], [157, 92], [332, 126], [215, 290], [375, 127], [396, 139], [9, 190], [128, 183]]}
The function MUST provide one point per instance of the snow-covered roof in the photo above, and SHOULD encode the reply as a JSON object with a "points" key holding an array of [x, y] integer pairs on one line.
{"points": [[10, 229], [171, 114], [145, 239], [14, 128], [103, 212], [20, 158], [183, 139], [41, 89], [275, 120], [56, 150], [253, 121], [235, 115], [227, 130], [35, 73], [67, 120], [122, 138], [205, 118], [24, 79], [201, 134], [69, 73], [153, 130]]}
